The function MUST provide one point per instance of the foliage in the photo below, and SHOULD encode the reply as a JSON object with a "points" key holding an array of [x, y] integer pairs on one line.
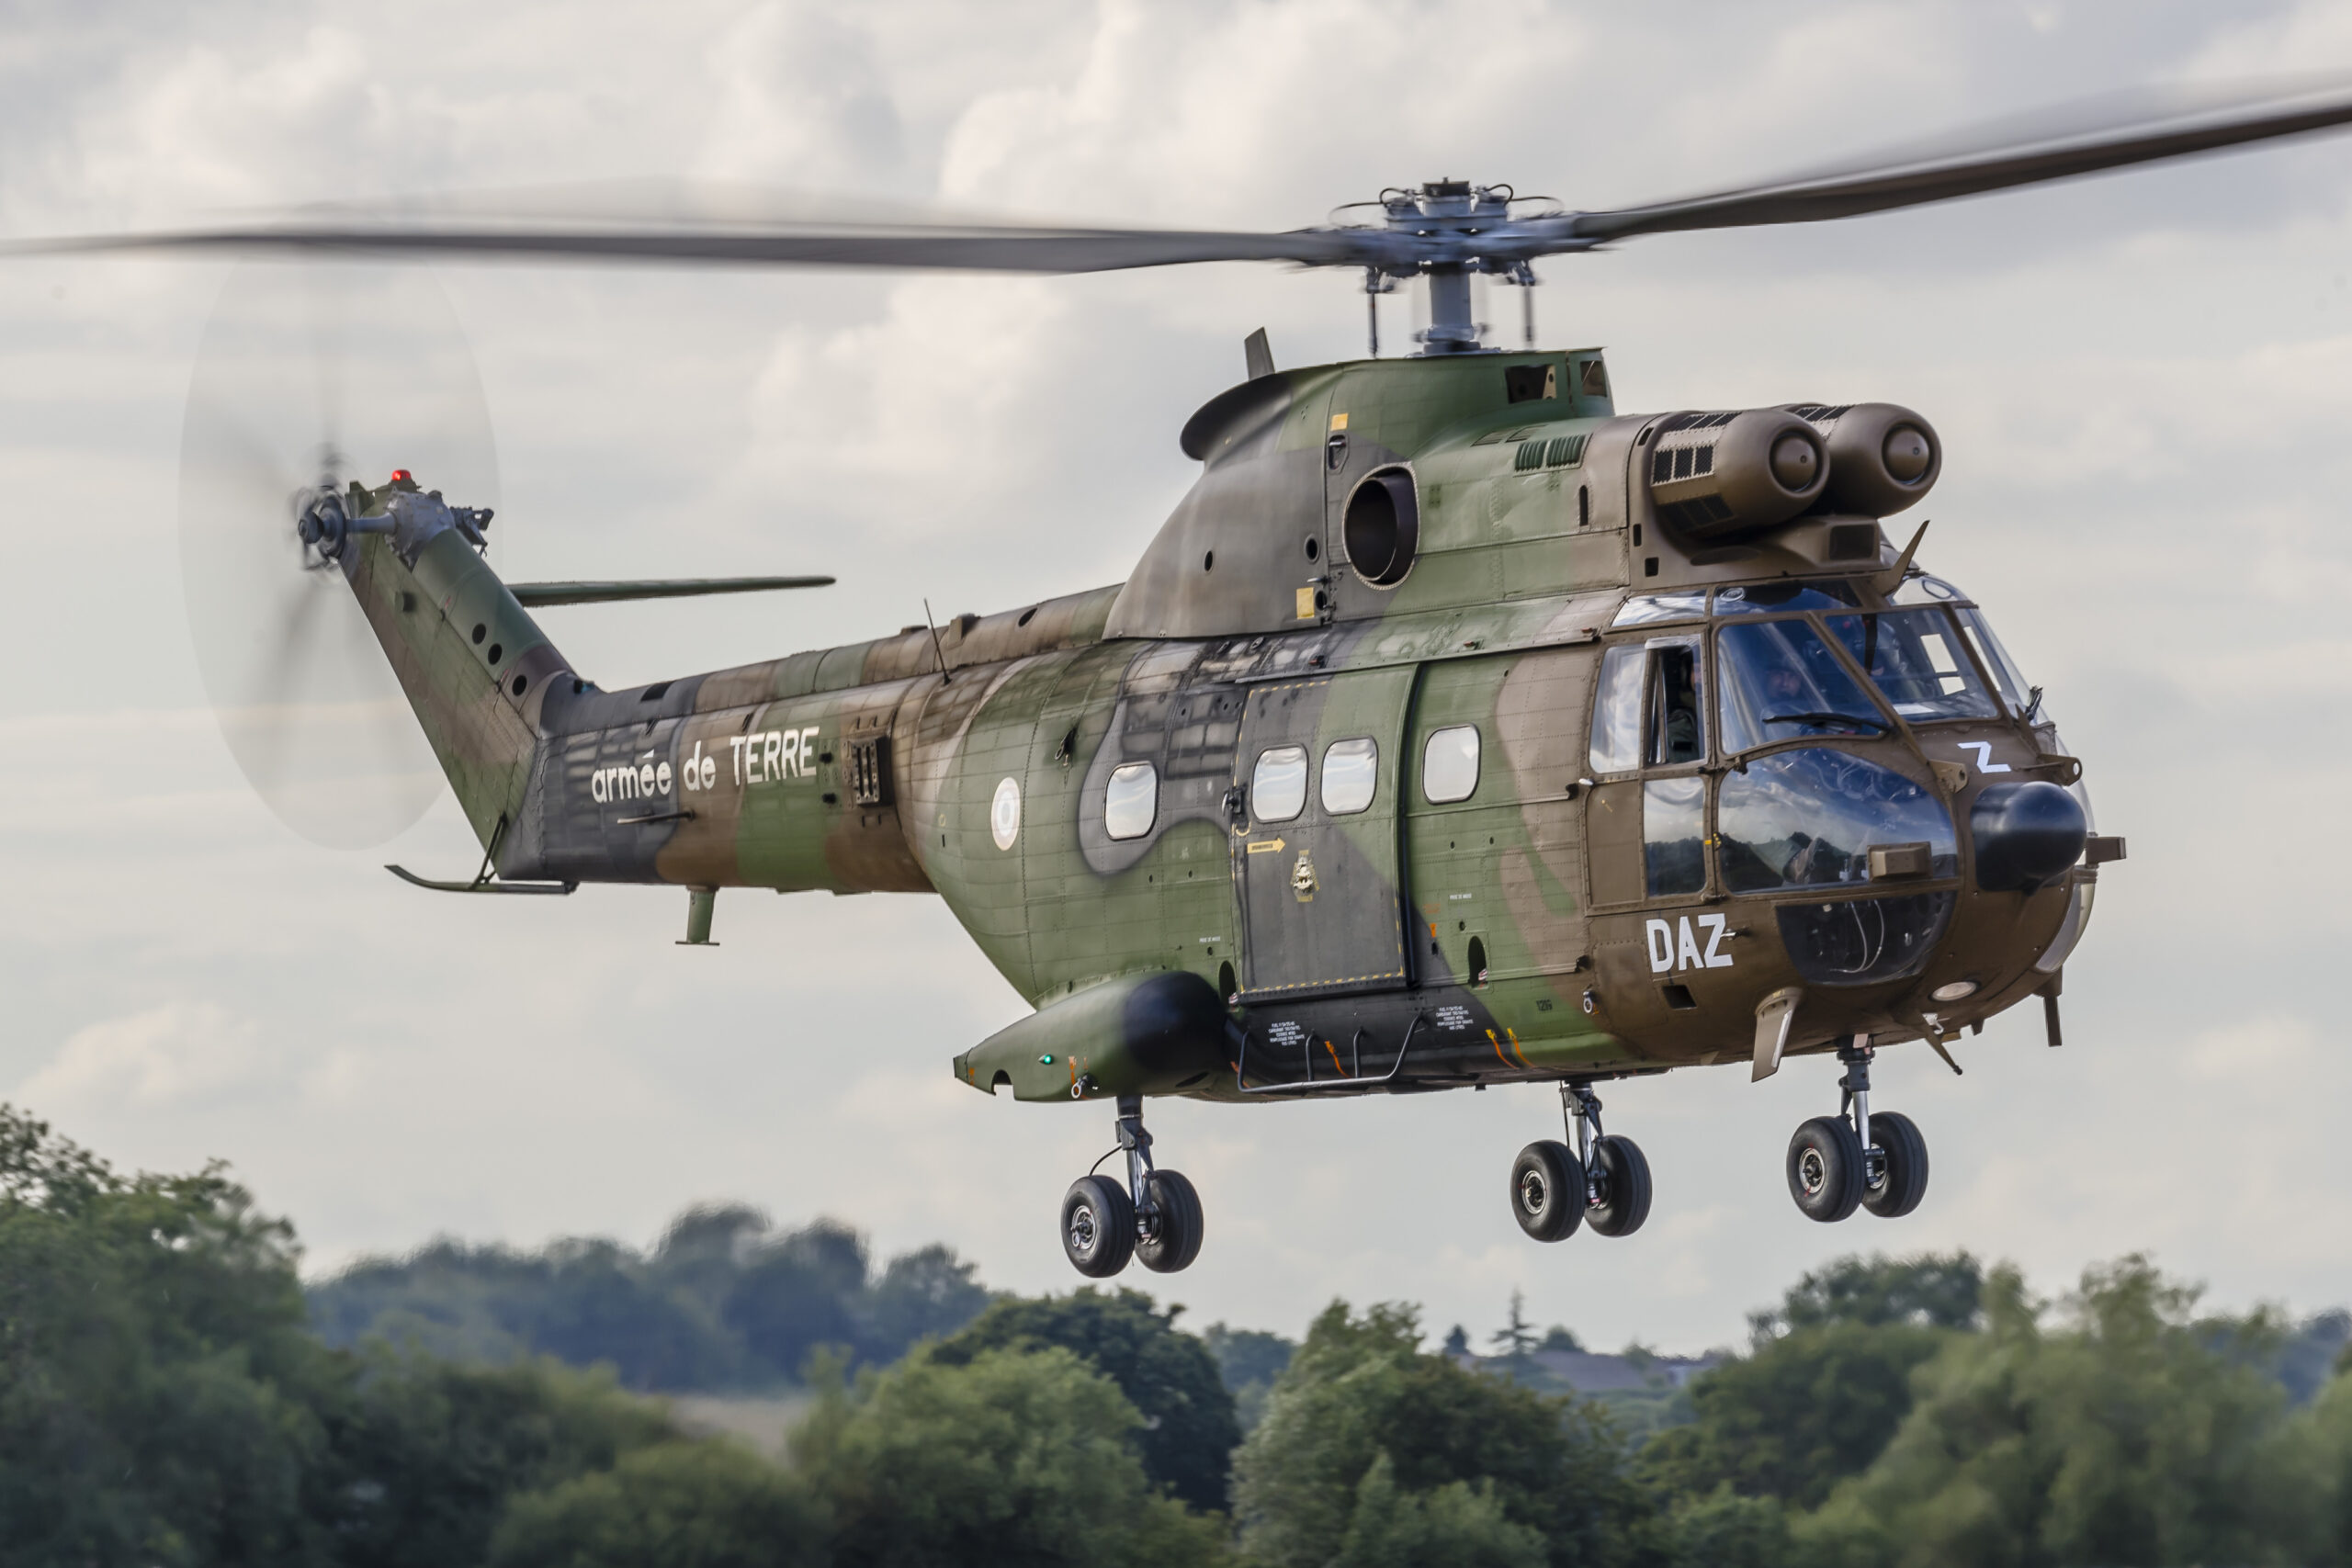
{"points": [[1928, 1291], [1249, 1360], [2124, 1437], [706, 1505], [1006, 1456], [1453, 1526], [1189, 1429], [1803, 1411], [1827, 1384], [721, 1303], [1362, 1392], [428, 1453], [161, 1403]]}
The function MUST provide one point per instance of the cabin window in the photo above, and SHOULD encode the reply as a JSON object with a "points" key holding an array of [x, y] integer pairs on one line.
{"points": [[1131, 801], [1450, 764], [1278, 787], [1350, 775]]}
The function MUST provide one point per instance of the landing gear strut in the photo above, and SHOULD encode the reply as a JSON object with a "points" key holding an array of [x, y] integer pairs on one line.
{"points": [[1154, 1219], [1856, 1159], [1602, 1181]]}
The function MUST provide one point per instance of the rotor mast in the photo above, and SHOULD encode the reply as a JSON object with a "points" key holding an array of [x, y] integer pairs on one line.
{"points": [[1452, 213]]}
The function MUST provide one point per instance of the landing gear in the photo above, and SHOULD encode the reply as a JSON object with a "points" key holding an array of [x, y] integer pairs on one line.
{"points": [[1154, 1219], [1602, 1181], [1855, 1160]]}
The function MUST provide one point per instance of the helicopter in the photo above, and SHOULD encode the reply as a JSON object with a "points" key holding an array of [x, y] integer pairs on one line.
{"points": [[1456, 729]]}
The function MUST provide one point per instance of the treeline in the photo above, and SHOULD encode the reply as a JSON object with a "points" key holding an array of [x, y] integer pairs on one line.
{"points": [[723, 1302], [162, 1400]]}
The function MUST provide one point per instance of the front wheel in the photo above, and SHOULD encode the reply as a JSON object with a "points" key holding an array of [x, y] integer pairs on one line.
{"points": [[1548, 1190], [1825, 1174], [1098, 1226], [1171, 1238], [1902, 1162], [1620, 1187]]}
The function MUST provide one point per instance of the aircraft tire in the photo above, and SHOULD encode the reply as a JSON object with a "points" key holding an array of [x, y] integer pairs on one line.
{"points": [[1548, 1190], [1907, 1166], [1098, 1226], [1174, 1238], [1825, 1173], [1621, 1177]]}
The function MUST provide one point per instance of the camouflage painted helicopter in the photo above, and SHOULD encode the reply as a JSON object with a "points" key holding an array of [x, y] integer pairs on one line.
{"points": [[1456, 729]]}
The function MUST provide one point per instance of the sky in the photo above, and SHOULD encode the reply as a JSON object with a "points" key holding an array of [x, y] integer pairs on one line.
{"points": [[2142, 383]]}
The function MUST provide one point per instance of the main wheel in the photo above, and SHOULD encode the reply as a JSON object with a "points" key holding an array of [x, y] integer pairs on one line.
{"points": [[1825, 1173], [1904, 1180], [1548, 1190], [1620, 1180], [1172, 1237], [1098, 1226]]}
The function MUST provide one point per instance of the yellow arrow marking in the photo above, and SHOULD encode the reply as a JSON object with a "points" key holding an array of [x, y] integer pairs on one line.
{"points": [[1265, 846]]}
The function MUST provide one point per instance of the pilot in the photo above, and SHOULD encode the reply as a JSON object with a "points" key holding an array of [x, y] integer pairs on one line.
{"points": [[1681, 711]]}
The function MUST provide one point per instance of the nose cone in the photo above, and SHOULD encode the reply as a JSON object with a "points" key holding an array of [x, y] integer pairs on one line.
{"points": [[2025, 834]]}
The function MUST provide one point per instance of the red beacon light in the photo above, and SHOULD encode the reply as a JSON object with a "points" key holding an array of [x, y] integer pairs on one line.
{"points": [[402, 477]]}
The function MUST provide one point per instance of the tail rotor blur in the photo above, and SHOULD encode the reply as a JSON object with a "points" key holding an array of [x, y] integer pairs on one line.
{"points": [[308, 377]]}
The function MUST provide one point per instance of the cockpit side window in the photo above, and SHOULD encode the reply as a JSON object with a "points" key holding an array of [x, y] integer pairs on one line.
{"points": [[1647, 712], [1617, 710], [1674, 732]]}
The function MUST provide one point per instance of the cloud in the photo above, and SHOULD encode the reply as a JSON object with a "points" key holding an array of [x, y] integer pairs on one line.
{"points": [[176, 1056]]}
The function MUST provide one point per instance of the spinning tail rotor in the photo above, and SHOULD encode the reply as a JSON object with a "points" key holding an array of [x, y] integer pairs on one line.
{"points": [[308, 378]]}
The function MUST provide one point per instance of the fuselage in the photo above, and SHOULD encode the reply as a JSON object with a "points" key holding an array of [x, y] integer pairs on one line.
{"points": [[1574, 792]]}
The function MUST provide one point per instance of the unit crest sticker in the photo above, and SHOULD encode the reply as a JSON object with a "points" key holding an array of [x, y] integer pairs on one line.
{"points": [[1004, 814], [1302, 878]]}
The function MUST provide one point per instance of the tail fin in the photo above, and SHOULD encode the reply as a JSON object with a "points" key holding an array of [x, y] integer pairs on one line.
{"points": [[474, 665]]}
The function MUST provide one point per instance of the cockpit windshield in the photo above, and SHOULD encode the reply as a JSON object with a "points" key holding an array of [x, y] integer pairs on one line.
{"points": [[1767, 598], [1916, 661], [1780, 681]]}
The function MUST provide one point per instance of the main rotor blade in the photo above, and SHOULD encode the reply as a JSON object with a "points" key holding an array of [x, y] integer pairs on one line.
{"points": [[2015, 160], [991, 248]]}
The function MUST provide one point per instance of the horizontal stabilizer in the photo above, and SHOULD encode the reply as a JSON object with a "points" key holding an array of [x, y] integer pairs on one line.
{"points": [[531, 595]]}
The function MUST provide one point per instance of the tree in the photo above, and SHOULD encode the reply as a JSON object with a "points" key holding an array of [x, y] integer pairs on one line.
{"points": [[922, 1296], [1453, 1525], [1930, 1291], [704, 1504], [1189, 1429], [426, 1454], [722, 1302], [1801, 1414], [1009, 1457], [1248, 1360], [1516, 1338], [158, 1395], [2120, 1436], [1362, 1390], [161, 1401]]}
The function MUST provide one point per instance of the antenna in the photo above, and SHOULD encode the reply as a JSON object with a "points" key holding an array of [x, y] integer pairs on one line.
{"points": [[936, 652]]}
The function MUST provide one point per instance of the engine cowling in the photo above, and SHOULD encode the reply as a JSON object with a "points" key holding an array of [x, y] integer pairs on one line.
{"points": [[1734, 472], [1882, 456]]}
